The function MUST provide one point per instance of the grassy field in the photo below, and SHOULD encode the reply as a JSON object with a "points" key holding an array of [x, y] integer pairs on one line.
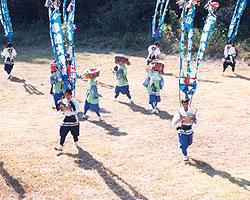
{"points": [[132, 154]]}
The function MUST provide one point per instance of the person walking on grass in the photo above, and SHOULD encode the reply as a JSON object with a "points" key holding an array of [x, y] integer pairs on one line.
{"points": [[184, 120], [121, 76], [69, 107], [9, 53], [154, 83], [92, 100], [56, 83], [153, 52], [229, 57]]}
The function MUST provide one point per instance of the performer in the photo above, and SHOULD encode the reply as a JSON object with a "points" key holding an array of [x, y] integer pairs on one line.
{"points": [[69, 107], [229, 56], [154, 83], [185, 117], [92, 100], [121, 75], [56, 83], [153, 52], [9, 54]]}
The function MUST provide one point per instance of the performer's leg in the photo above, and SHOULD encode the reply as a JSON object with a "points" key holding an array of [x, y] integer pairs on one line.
{"points": [[183, 143], [75, 132], [98, 113], [225, 65], [8, 68], [57, 97], [153, 105], [128, 95], [233, 67], [190, 139], [64, 130], [86, 107]]}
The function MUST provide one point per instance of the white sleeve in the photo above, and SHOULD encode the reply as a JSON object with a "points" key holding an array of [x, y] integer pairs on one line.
{"points": [[176, 119], [3, 54], [157, 52], [150, 50], [225, 51], [77, 106], [14, 53], [232, 51]]}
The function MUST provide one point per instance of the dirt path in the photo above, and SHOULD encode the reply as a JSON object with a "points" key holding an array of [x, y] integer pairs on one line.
{"points": [[132, 154]]}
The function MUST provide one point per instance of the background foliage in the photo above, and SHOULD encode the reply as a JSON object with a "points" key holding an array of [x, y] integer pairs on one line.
{"points": [[122, 24]]}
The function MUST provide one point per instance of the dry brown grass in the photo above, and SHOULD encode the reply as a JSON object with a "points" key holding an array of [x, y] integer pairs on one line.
{"points": [[132, 154]]}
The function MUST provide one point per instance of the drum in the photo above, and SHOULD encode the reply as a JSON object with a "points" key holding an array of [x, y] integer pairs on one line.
{"points": [[122, 59], [155, 66], [91, 73], [53, 67]]}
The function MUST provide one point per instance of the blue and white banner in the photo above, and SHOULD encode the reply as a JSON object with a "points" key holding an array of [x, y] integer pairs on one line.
{"points": [[64, 11], [70, 34], [57, 41], [5, 20], [190, 30], [188, 82], [234, 26], [210, 22], [157, 29]]}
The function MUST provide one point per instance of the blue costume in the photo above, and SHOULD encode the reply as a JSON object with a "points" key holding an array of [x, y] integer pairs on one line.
{"points": [[154, 83]]}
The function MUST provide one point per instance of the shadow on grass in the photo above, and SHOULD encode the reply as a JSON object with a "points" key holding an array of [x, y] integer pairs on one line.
{"points": [[136, 108], [28, 87], [209, 170], [108, 127], [112, 180], [240, 77], [200, 80], [14, 183], [105, 85]]}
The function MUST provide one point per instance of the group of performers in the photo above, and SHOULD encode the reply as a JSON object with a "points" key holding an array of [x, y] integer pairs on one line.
{"points": [[184, 119]]}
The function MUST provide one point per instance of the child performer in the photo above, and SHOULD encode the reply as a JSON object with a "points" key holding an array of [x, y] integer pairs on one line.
{"points": [[69, 107], [9, 54], [121, 75], [92, 100], [56, 82], [186, 118], [154, 83]]}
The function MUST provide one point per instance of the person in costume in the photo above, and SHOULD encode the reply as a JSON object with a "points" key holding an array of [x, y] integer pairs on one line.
{"points": [[56, 83], [229, 56], [121, 76], [9, 53], [92, 99], [153, 52], [184, 120], [69, 107], [154, 83]]}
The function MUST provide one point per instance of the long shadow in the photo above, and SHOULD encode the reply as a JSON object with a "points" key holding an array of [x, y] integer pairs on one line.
{"points": [[28, 87], [105, 85], [137, 108], [200, 80], [112, 180], [209, 170], [108, 127], [14, 183], [239, 76], [79, 114]]}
